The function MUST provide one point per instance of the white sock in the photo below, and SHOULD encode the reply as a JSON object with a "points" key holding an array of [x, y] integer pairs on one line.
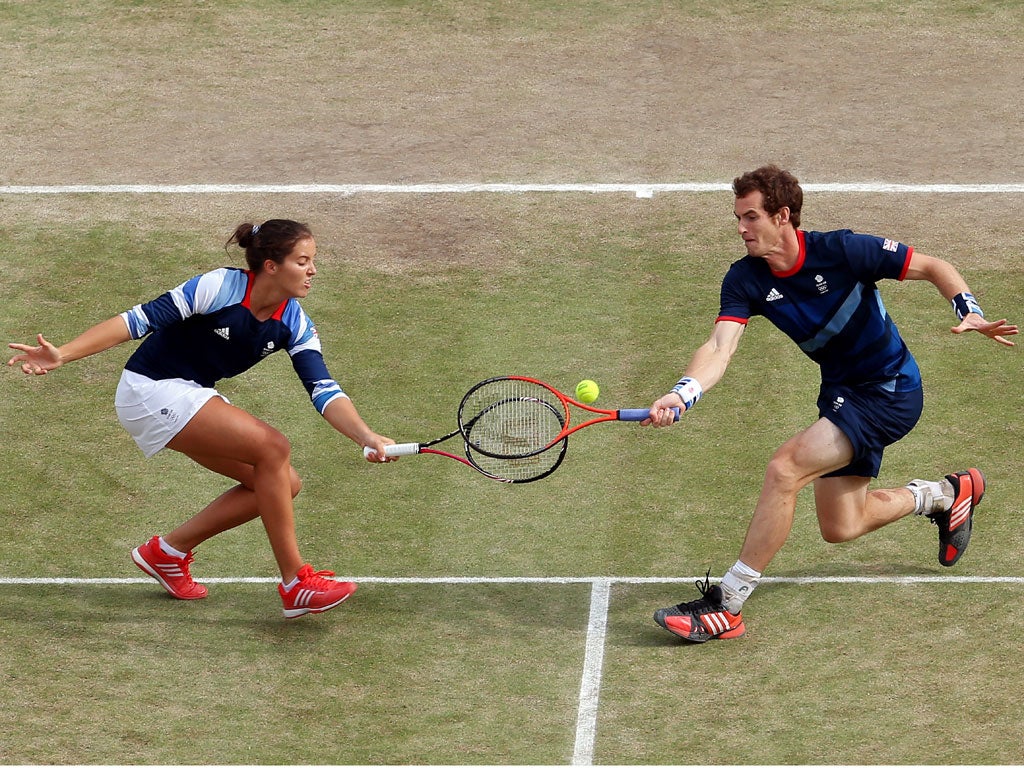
{"points": [[931, 497], [290, 585], [737, 584], [167, 549]]}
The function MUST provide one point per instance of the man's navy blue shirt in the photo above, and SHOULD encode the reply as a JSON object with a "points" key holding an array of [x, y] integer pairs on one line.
{"points": [[829, 304]]}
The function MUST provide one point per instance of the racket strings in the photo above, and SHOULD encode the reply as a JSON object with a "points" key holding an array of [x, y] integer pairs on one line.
{"points": [[518, 470], [511, 419]]}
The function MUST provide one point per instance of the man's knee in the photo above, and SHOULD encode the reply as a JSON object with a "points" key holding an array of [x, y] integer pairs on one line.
{"points": [[782, 473], [834, 532]]}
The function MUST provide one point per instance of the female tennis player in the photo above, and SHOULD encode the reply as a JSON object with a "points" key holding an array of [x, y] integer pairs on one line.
{"points": [[214, 326]]}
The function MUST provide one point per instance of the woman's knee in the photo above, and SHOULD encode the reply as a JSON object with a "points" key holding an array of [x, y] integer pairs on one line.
{"points": [[273, 448], [276, 449]]}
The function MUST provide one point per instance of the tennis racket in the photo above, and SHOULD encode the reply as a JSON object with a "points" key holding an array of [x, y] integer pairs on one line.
{"points": [[504, 469], [515, 417]]}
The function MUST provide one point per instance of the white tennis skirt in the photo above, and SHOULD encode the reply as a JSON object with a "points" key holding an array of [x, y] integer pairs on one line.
{"points": [[153, 412]]}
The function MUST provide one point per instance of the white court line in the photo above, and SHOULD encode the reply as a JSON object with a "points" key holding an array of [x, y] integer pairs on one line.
{"points": [[590, 683], [597, 624], [593, 580], [640, 189]]}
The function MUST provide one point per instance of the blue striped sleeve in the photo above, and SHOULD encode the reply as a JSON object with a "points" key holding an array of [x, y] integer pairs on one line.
{"points": [[200, 295], [307, 358], [312, 370]]}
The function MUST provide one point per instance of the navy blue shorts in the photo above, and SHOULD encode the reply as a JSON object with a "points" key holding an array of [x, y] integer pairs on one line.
{"points": [[872, 418]]}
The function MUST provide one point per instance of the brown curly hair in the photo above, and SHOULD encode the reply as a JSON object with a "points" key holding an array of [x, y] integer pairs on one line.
{"points": [[780, 190]]}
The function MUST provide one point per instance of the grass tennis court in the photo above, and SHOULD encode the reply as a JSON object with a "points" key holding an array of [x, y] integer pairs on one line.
{"points": [[490, 672], [471, 638]]}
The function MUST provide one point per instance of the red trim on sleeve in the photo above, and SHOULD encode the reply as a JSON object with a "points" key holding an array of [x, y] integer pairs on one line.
{"points": [[729, 319], [906, 264]]}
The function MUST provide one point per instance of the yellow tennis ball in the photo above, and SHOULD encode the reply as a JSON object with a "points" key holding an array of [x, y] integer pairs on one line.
{"points": [[587, 391]]}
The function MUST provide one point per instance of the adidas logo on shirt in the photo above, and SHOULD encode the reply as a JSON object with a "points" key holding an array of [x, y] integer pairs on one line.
{"points": [[773, 295], [224, 333]]}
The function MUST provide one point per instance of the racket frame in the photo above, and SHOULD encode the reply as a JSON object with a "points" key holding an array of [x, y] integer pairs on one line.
{"points": [[565, 416], [413, 449]]}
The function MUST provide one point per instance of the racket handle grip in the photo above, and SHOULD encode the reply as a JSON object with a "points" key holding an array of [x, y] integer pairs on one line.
{"points": [[401, 449], [639, 414]]}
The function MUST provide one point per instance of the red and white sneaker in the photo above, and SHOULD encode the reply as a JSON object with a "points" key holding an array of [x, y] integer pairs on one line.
{"points": [[172, 572], [314, 593]]}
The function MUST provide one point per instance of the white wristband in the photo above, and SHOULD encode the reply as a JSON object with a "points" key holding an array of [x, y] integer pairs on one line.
{"points": [[689, 390]]}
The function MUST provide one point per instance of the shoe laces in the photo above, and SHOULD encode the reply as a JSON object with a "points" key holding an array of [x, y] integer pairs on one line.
{"points": [[317, 580], [183, 562], [701, 602]]}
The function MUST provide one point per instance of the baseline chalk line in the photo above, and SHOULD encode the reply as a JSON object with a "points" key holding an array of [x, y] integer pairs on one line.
{"points": [[638, 189], [593, 580]]}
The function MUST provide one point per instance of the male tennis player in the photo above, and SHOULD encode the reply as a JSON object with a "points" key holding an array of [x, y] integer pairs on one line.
{"points": [[819, 289]]}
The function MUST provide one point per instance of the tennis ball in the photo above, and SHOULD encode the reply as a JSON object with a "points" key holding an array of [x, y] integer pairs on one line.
{"points": [[587, 391]]}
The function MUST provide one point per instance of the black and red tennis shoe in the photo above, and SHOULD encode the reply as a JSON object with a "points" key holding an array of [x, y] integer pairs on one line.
{"points": [[955, 523], [703, 619]]}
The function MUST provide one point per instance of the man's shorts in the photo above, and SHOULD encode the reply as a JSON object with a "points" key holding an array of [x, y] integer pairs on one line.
{"points": [[153, 412], [872, 418]]}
